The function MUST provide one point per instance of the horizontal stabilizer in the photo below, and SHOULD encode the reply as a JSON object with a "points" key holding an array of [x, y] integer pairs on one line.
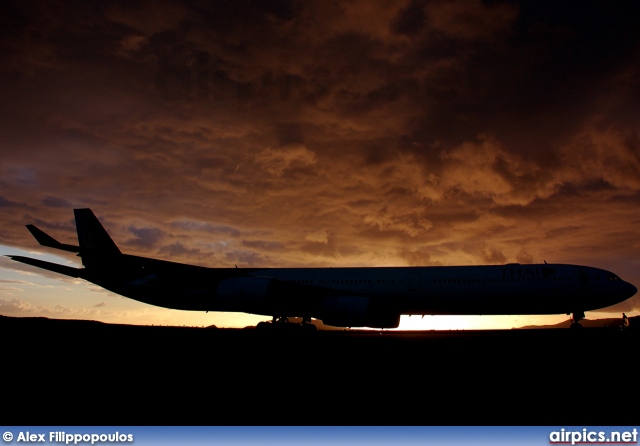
{"points": [[60, 269], [46, 240]]}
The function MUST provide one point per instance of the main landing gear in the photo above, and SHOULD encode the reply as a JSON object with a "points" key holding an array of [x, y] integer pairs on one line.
{"points": [[575, 320], [282, 324]]}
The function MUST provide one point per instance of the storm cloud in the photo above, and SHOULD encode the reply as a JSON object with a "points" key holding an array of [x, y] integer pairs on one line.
{"points": [[327, 133]]}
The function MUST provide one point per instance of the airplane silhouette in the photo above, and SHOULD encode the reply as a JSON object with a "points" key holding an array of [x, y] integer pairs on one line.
{"points": [[373, 297]]}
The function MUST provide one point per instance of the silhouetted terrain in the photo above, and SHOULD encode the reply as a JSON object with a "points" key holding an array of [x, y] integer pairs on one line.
{"points": [[595, 323], [58, 372]]}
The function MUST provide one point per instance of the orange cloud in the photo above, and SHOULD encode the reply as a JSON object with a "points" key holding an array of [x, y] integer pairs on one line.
{"points": [[290, 134], [471, 19]]}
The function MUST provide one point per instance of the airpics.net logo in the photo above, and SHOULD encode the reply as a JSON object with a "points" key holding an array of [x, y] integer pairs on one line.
{"points": [[59, 437], [587, 436]]}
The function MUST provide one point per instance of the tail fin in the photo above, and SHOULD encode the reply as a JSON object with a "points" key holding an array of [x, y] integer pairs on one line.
{"points": [[96, 247], [92, 236]]}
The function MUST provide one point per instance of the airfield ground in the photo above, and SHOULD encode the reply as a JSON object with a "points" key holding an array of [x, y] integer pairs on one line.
{"points": [[59, 372]]}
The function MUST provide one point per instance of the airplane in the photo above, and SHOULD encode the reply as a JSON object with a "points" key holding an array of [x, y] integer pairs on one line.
{"points": [[373, 297]]}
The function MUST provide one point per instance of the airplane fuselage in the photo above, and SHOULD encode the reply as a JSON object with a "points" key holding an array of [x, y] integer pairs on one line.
{"points": [[364, 293], [471, 290]]}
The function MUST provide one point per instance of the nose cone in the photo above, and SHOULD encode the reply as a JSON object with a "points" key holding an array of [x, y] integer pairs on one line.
{"points": [[630, 290], [624, 290], [619, 292]]}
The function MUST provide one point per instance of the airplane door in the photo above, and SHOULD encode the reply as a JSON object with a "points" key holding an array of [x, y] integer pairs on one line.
{"points": [[583, 278], [327, 280]]}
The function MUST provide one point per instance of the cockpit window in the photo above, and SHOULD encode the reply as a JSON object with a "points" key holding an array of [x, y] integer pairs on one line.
{"points": [[614, 277]]}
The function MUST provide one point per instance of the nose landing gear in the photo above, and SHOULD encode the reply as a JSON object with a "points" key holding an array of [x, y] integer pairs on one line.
{"points": [[575, 320]]}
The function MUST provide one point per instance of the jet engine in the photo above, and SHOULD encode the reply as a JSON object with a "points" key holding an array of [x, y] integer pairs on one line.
{"points": [[357, 311]]}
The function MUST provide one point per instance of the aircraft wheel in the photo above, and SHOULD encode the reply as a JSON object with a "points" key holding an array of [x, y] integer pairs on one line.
{"points": [[263, 326]]}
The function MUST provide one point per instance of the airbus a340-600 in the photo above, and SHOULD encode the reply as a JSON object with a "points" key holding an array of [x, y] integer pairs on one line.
{"points": [[373, 297]]}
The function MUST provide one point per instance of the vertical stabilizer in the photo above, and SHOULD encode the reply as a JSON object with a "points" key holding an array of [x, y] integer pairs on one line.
{"points": [[92, 236]]}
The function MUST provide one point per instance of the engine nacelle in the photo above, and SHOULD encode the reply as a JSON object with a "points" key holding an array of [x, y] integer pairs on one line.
{"points": [[247, 294], [357, 311]]}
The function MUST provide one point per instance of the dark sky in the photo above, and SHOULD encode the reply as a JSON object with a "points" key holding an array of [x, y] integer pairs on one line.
{"points": [[318, 133]]}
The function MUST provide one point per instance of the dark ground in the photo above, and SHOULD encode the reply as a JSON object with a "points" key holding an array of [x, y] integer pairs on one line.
{"points": [[57, 372]]}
